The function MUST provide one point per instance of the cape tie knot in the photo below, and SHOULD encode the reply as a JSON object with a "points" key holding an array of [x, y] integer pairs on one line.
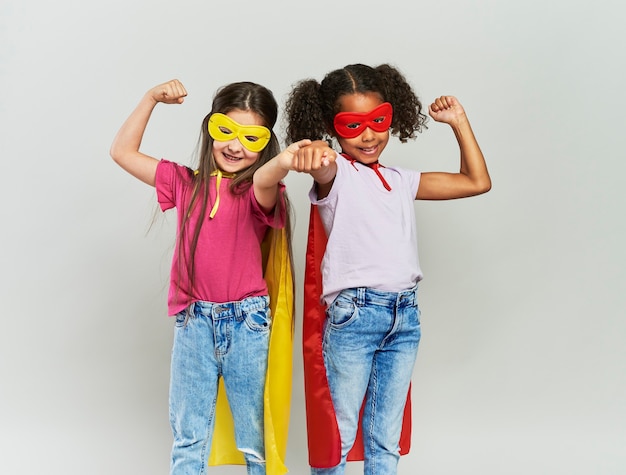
{"points": [[374, 166], [218, 181]]}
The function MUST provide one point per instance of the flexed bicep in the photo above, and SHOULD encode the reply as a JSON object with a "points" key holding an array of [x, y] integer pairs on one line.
{"points": [[125, 147]]}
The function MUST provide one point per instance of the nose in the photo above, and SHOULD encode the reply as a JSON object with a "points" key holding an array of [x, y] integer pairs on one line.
{"points": [[234, 145], [367, 135]]}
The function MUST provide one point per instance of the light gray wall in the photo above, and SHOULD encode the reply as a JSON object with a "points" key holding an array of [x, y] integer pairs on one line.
{"points": [[521, 369]]}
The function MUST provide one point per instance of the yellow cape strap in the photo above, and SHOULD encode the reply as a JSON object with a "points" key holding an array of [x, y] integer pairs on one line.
{"points": [[277, 399], [219, 174]]}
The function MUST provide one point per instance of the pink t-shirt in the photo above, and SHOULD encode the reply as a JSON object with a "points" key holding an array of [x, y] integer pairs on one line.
{"points": [[228, 257]]}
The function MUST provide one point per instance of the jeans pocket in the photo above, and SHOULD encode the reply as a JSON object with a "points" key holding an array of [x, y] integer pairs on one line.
{"points": [[413, 321], [181, 318], [342, 312], [259, 320]]}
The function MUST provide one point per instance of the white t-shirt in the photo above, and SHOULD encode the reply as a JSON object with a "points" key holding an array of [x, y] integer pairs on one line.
{"points": [[372, 234]]}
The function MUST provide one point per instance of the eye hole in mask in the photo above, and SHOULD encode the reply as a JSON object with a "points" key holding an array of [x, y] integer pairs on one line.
{"points": [[253, 137]]}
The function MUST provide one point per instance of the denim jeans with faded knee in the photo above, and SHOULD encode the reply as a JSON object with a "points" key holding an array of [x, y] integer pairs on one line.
{"points": [[213, 340]]}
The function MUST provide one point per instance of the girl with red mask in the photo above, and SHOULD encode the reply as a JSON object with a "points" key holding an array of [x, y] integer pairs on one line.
{"points": [[361, 339]]}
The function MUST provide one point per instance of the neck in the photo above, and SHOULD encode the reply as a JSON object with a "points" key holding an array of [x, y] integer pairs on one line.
{"points": [[352, 160]]}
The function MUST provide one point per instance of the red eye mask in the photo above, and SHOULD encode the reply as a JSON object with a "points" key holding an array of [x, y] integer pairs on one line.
{"points": [[352, 124]]}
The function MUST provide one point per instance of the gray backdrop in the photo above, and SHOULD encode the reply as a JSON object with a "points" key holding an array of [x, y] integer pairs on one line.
{"points": [[521, 368]]}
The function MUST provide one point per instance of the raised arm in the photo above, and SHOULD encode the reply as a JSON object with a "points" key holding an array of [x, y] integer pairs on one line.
{"points": [[473, 177], [125, 147]]}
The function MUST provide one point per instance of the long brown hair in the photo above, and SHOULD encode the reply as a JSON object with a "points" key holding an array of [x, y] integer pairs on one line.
{"points": [[244, 96]]}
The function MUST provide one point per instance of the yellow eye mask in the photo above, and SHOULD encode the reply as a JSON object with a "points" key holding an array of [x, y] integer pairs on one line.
{"points": [[254, 137]]}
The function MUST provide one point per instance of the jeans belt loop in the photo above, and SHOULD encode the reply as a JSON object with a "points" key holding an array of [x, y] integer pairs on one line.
{"points": [[360, 296]]}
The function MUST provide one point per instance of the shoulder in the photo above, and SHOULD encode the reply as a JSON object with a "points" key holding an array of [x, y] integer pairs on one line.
{"points": [[405, 178], [167, 165], [171, 172], [404, 172]]}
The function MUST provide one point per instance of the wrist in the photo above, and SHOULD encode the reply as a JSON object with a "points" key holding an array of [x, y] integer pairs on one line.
{"points": [[459, 123], [284, 162], [325, 174], [149, 98]]}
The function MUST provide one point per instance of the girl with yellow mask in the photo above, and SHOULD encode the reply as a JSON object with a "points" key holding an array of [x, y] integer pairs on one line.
{"points": [[231, 287]]}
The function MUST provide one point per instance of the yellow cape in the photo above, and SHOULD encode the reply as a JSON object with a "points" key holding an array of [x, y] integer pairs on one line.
{"points": [[279, 280]]}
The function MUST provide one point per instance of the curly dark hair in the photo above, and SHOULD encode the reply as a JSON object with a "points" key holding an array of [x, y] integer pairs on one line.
{"points": [[311, 106]]}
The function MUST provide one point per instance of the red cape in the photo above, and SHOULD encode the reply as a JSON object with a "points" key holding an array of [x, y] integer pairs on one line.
{"points": [[324, 440]]}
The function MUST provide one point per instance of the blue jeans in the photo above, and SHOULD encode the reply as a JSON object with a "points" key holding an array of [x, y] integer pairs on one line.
{"points": [[211, 340], [369, 347]]}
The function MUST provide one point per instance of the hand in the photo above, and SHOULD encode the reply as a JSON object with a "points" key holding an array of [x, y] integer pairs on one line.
{"points": [[171, 92], [447, 109], [309, 156]]}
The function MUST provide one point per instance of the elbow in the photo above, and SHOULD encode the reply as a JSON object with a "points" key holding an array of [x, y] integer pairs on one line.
{"points": [[116, 154], [479, 188], [482, 184], [485, 186]]}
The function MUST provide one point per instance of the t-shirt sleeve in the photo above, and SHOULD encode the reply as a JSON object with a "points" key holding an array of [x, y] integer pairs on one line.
{"points": [[271, 218], [414, 180], [410, 180], [168, 183]]}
